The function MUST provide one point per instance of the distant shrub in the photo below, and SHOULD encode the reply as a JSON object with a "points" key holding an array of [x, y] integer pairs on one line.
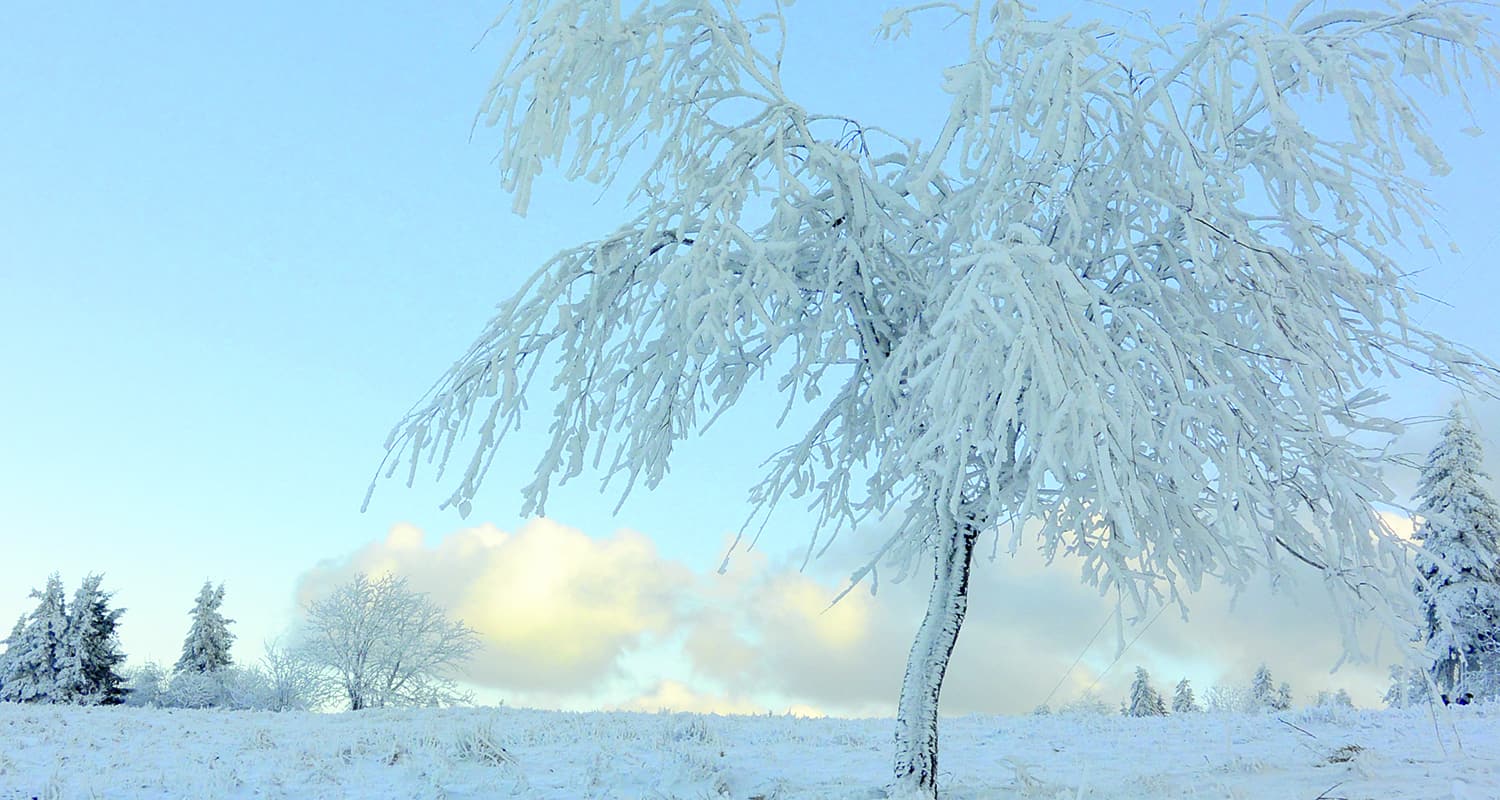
{"points": [[145, 685], [234, 688], [1340, 699], [283, 683], [1231, 699], [193, 689], [1088, 704]]}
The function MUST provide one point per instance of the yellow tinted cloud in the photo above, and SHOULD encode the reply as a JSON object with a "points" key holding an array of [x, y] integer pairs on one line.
{"points": [[555, 608], [672, 695], [582, 621], [799, 606]]}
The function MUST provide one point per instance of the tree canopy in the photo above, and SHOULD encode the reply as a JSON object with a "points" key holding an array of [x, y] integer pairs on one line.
{"points": [[1127, 290]]}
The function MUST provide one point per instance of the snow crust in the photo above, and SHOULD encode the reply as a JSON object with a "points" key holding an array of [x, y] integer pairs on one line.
{"points": [[116, 752]]}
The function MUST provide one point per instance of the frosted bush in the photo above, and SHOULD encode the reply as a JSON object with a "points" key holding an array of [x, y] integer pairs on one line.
{"points": [[233, 688], [1088, 704], [193, 690], [145, 685], [1231, 700], [1339, 698], [248, 690], [294, 683], [1327, 714]]}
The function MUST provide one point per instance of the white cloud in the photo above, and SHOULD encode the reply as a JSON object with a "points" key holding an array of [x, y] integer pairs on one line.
{"points": [[556, 609], [570, 619], [671, 695], [1028, 623]]}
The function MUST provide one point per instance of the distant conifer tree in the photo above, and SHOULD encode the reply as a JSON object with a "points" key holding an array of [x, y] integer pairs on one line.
{"points": [[1283, 699], [35, 653], [206, 648], [1144, 700], [1183, 701], [1408, 687], [1263, 689], [89, 662]]}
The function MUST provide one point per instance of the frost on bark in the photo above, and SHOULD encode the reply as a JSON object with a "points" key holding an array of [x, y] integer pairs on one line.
{"points": [[917, 709], [1123, 293]]}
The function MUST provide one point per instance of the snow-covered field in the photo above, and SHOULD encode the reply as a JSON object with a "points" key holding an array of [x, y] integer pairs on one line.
{"points": [[68, 752]]}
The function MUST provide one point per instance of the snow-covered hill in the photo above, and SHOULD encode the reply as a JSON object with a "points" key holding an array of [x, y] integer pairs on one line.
{"points": [[66, 752]]}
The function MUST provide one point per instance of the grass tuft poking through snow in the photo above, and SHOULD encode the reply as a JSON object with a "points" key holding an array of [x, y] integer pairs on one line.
{"points": [[467, 754]]}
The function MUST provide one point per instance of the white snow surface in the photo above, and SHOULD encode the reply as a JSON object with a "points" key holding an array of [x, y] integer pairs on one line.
{"points": [[64, 752]]}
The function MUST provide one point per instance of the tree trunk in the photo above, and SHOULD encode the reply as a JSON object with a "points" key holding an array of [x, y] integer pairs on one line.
{"points": [[917, 715]]}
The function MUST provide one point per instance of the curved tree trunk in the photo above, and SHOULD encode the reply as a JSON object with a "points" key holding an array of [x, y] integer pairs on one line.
{"points": [[917, 715]]}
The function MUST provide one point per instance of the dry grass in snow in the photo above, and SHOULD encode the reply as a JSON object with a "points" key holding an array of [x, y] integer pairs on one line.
{"points": [[66, 752]]}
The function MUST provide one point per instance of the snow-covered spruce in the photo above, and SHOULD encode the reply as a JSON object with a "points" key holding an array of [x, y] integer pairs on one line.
{"points": [[1265, 695], [1409, 687], [1338, 699], [206, 646], [10, 642], [1183, 701], [1125, 291], [1144, 700], [89, 661], [1262, 689], [35, 655], [1458, 567]]}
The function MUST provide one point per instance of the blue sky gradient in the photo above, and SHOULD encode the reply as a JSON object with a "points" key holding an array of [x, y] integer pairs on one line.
{"points": [[236, 244]]}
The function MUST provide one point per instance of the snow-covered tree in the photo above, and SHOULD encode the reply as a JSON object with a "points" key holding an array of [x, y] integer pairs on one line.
{"points": [[1338, 699], [10, 642], [34, 660], [1282, 701], [1183, 701], [89, 661], [386, 645], [1458, 567], [206, 647], [1144, 700], [1265, 695], [1125, 290], [1263, 688], [1408, 687]]}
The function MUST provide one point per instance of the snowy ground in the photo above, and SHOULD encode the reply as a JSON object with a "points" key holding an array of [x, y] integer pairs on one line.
{"points": [[64, 753]]}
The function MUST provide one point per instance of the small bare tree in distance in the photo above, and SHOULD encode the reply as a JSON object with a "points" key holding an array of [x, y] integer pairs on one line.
{"points": [[386, 645]]}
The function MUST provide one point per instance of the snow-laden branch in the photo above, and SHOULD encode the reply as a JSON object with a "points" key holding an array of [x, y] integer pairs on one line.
{"points": [[1131, 290]]}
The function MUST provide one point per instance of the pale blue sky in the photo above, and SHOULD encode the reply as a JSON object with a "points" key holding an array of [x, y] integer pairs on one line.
{"points": [[236, 243]]}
